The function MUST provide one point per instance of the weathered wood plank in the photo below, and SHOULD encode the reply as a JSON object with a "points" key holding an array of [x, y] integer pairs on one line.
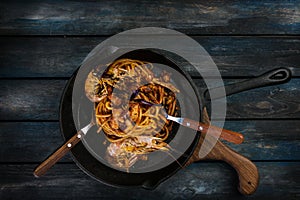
{"points": [[29, 141], [39, 100], [264, 140], [30, 99], [200, 180], [279, 101], [110, 17], [60, 57], [267, 139]]}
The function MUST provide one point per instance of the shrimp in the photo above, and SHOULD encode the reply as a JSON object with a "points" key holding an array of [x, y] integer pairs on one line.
{"points": [[126, 153], [92, 88]]}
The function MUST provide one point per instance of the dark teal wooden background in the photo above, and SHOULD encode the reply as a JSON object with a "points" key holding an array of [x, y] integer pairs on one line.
{"points": [[42, 43]]}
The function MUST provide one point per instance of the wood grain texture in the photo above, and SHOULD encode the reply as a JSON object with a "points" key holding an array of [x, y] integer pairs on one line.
{"points": [[30, 99], [29, 141], [214, 131], [278, 101], [264, 140], [58, 154], [60, 57], [247, 171], [200, 180], [111, 17], [39, 100], [244, 38]]}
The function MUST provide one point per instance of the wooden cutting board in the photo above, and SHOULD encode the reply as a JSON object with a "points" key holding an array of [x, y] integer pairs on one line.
{"points": [[246, 170]]}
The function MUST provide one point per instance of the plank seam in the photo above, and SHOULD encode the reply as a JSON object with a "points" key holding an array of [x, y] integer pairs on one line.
{"points": [[191, 35]]}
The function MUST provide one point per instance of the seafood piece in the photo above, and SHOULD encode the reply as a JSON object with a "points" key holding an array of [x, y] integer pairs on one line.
{"points": [[133, 129], [126, 153], [92, 88]]}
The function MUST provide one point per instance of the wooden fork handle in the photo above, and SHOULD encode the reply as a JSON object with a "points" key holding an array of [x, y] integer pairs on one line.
{"points": [[57, 155], [227, 135]]}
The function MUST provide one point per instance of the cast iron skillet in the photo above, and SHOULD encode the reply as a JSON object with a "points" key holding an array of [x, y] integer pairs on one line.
{"points": [[148, 180]]}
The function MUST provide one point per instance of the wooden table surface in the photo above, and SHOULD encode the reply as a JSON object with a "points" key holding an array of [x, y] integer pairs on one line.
{"points": [[42, 44]]}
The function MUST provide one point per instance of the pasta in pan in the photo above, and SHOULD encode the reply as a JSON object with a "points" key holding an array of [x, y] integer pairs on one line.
{"points": [[132, 125]]}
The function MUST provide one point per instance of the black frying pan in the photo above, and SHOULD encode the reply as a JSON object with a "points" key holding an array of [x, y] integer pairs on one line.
{"points": [[101, 172]]}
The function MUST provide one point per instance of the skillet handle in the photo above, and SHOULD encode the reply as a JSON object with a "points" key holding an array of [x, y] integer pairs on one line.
{"points": [[272, 77], [57, 155]]}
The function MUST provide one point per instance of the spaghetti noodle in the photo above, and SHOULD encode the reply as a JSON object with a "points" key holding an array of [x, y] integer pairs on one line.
{"points": [[133, 126]]}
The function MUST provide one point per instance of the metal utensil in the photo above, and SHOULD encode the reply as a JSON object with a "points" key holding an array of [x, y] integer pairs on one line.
{"points": [[61, 151], [96, 168], [227, 135]]}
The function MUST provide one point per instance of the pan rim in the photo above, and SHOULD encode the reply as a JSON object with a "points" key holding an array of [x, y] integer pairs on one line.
{"points": [[191, 149]]}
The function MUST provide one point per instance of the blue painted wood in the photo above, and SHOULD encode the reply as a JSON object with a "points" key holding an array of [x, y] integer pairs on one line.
{"points": [[111, 17], [60, 57], [245, 39], [267, 139], [29, 141], [30, 99], [264, 140], [201, 180], [39, 100], [276, 102]]}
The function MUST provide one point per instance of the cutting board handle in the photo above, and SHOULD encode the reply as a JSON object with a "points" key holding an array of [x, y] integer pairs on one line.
{"points": [[246, 170]]}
